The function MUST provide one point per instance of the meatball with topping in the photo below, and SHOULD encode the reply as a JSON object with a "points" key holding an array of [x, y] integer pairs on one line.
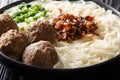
{"points": [[6, 23], [13, 43], [42, 30], [41, 54]]}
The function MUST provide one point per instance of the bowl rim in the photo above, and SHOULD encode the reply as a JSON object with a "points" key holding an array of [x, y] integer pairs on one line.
{"points": [[4, 57]]}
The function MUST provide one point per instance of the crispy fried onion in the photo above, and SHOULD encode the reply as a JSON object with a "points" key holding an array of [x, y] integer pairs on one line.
{"points": [[70, 27]]}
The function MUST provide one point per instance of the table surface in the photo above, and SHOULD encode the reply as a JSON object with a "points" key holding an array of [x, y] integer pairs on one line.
{"points": [[6, 74]]}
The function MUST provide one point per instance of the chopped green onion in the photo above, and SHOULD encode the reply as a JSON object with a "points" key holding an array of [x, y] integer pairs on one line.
{"points": [[41, 13], [35, 7], [25, 15], [27, 20], [28, 5], [27, 10], [19, 19], [32, 13], [22, 28]]}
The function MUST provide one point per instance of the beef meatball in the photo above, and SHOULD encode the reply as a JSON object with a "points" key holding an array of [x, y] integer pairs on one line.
{"points": [[42, 30], [6, 23], [13, 43], [41, 53]]}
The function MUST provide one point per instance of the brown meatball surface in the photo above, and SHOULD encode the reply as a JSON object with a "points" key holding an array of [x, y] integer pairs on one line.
{"points": [[41, 53], [13, 43], [42, 30], [6, 23]]}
